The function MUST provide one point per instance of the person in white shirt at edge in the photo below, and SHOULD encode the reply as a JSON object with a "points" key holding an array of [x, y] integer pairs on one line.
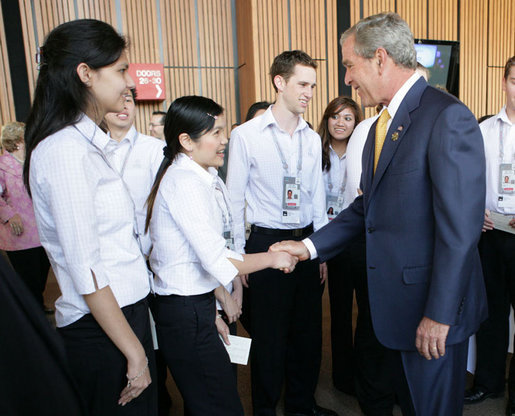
{"points": [[85, 218], [269, 155], [497, 251], [190, 222], [137, 157]]}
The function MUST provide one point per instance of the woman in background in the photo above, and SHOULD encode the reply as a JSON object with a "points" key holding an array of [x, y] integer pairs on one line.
{"points": [[190, 225], [18, 233], [338, 122], [85, 218]]}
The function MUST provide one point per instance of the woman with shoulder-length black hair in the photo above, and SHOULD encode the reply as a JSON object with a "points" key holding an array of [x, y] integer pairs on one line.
{"points": [[85, 218], [190, 224]]}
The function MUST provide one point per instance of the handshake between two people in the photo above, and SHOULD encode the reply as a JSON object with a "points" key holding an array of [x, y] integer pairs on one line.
{"points": [[287, 254]]}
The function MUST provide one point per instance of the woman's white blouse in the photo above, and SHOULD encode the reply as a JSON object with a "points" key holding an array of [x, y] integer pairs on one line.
{"points": [[189, 254], [85, 219]]}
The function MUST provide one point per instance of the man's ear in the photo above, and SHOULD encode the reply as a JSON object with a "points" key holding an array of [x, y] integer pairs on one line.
{"points": [[85, 73], [186, 142], [279, 82], [380, 56]]}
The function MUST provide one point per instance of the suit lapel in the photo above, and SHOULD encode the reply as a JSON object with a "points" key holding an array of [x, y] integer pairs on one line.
{"points": [[397, 131]]}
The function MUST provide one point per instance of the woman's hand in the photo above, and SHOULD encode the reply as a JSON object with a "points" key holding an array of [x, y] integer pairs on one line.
{"points": [[283, 261], [237, 291], [229, 305], [222, 328], [138, 379], [16, 225]]}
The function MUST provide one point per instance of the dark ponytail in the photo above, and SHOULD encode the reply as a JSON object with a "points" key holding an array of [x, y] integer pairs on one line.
{"points": [[60, 96], [193, 115]]}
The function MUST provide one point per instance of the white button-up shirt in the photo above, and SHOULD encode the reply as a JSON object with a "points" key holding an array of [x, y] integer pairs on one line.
{"points": [[354, 157], [256, 174], [491, 131], [189, 254], [137, 159], [335, 178], [85, 219]]}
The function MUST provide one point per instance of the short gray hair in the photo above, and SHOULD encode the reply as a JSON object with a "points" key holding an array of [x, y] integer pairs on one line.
{"points": [[384, 30]]}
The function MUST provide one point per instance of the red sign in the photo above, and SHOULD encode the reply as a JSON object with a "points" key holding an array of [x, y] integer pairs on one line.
{"points": [[150, 81]]}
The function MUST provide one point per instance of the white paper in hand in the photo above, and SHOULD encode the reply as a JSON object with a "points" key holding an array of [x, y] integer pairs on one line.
{"points": [[239, 349]]}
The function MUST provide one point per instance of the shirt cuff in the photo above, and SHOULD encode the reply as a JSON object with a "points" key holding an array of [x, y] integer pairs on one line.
{"points": [[311, 248]]}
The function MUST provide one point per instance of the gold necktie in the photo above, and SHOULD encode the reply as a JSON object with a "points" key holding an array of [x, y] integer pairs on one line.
{"points": [[380, 135]]}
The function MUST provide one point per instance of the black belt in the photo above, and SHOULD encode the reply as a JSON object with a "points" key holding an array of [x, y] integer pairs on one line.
{"points": [[296, 232], [202, 296]]}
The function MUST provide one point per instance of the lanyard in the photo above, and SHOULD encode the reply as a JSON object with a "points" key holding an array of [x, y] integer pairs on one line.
{"points": [[281, 155], [226, 213], [343, 183]]}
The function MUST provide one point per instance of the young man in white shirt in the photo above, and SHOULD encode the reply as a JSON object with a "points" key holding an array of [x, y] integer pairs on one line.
{"points": [[497, 250], [137, 157], [272, 156]]}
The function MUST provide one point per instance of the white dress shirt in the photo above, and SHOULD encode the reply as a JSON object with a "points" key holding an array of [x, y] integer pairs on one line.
{"points": [[392, 109], [354, 155], [137, 159], [85, 219], [491, 131], [189, 254], [256, 175]]}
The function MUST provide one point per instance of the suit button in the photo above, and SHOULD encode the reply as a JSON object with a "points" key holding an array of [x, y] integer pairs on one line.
{"points": [[370, 230], [372, 267]]}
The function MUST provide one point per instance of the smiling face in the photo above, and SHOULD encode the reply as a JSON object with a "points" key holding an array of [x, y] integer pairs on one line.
{"points": [[342, 124], [209, 149], [297, 92], [109, 85], [361, 74], [124, 119]]}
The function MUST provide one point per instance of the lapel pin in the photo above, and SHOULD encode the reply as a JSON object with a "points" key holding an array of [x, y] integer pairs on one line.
{"points": [[395, 135]]}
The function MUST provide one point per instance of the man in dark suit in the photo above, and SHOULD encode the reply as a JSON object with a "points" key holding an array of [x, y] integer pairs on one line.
{"points": [[422, 209]]}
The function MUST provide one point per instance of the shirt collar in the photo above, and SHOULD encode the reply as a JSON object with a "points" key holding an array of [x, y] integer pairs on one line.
{"points": [[208, 176], [92, 132], [400, 94], [336, 154], [131, 136], [268, 119], [503, 116]]}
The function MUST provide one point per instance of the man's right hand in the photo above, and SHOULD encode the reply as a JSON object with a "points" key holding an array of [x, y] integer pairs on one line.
{"points": [[295, 248]]}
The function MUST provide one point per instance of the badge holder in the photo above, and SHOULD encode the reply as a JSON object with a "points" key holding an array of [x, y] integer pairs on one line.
{"points": [[291, 200], [506, 198]]}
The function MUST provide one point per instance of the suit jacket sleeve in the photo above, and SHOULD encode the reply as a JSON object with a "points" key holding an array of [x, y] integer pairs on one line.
{"points": [[457, 170]]}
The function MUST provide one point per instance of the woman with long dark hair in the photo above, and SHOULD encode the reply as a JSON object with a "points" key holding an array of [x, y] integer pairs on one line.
{"points": [[190, 223], [340, 118], [85, 218]]}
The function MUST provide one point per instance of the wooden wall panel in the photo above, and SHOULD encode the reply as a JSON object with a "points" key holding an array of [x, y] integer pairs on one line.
{"points": [[442, 20], [473, 54], [501, 32], [415, 13], [6, 97]]}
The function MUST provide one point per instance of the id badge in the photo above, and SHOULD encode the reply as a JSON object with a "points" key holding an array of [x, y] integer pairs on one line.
{"points": [[334, 204], [291, 192], [507, 178], [506, 201], [229, 240], [291, 200]]}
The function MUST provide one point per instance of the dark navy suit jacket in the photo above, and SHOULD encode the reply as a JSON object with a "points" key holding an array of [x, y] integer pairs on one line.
{"points": [[423, 211]]}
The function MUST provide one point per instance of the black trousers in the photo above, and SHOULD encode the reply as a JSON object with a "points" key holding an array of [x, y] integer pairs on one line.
{"points": [[100, 369], [286, 326], [358, 365], [195, 355], [497, 251], [32, 266]]}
